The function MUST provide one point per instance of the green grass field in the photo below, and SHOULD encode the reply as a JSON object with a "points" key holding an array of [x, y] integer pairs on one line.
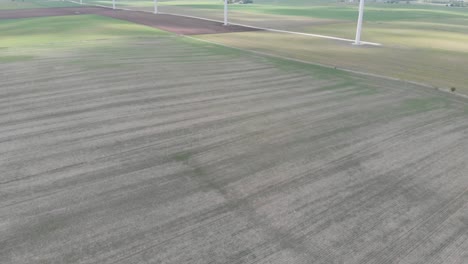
{"points": [[53, 30], [20, 4]]}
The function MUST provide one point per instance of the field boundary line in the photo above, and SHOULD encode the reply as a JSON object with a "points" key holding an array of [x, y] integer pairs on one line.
{"points": [[88, 4], [242, 25], [281, 31]]}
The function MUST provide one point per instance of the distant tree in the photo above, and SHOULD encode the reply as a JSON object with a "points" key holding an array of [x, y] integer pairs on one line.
{"points": [[457, 3], [240, 1]]}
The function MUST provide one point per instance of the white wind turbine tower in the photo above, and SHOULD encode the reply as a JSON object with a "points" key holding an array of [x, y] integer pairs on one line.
{"points": [[359, 23], [225, 12]]}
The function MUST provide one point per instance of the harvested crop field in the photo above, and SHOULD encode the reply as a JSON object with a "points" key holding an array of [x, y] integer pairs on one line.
{"points": [[171, 23], [155, 148]]}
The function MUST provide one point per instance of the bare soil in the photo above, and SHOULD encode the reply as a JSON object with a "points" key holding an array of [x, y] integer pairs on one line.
{"points": [[166, 152]]}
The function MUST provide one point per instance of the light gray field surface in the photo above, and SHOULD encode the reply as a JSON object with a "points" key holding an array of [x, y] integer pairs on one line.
{"points": [[166, 151]]}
